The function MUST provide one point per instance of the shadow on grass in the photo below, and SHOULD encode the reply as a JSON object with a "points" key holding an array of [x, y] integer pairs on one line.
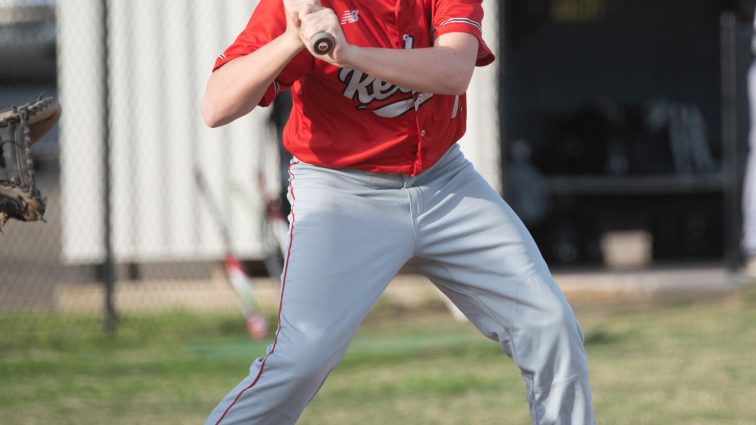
{"points": [[601, 337]]}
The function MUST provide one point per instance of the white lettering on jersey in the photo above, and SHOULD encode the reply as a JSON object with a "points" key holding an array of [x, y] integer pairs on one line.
{"points": [[366, 89], [456, 109]]}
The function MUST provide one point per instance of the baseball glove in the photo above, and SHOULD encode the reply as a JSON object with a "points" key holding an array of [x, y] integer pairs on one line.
{"points": [[21, 127]]}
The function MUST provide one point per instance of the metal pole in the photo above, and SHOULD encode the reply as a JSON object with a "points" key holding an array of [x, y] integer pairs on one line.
{"points": [[729, 128], [732, 214], [110, 322], [505, 96]]}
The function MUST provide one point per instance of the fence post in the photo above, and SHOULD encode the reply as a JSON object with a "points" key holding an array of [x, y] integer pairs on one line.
{"points": [[110, 322]]}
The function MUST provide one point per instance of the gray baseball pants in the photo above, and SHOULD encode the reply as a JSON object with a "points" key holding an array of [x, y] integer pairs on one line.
{"points": [[351, 233]]}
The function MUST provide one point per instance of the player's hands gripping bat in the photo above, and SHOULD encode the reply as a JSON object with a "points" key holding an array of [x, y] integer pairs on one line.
{"points": [[322, 43], [240, 281], [21, 127], [319, 27]]}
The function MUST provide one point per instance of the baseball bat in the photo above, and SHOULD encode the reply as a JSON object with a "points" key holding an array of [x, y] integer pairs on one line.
{"points": [[322, 43], [237, 277], [274, 227]]}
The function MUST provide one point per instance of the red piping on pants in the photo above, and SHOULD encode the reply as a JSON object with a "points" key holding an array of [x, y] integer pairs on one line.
{"points": [[280, 302]]}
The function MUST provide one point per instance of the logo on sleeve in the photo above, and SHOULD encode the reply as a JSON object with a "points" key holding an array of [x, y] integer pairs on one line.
{"points": [[350, 17]]}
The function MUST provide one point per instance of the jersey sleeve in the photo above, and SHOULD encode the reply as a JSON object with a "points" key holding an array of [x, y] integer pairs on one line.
{"points": [[462, 16], [268, 21]]}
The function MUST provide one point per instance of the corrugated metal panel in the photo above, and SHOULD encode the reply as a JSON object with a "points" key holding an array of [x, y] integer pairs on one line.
{"points": [[161, 55]]}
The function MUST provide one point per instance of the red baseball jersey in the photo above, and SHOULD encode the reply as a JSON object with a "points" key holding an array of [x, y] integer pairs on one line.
{"points": [[343, 118]]}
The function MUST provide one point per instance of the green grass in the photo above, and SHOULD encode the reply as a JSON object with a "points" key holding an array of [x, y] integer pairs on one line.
{"points": [[689, 364]]}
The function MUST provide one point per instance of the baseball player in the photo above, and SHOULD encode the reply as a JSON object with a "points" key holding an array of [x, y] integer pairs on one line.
{"points": [[377, 182]]}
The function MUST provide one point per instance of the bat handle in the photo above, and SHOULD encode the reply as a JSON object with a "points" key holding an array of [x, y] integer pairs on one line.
{"points": [[322, 43]]}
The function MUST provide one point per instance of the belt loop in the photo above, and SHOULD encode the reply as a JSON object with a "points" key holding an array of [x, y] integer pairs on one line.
{"points": [[408, 180]]}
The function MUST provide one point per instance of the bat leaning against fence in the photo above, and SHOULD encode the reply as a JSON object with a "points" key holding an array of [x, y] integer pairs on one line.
{"points": [[274, 227], [256, 324]]}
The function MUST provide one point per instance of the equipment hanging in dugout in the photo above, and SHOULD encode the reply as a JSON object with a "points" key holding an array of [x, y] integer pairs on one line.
{"points": [[20, 127]]}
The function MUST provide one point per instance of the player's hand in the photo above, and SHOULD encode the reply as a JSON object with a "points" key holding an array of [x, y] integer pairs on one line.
{"points": [[293, 24], [314, 19]]}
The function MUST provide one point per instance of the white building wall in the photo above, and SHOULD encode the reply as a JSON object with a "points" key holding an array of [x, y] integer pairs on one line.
{"points": [[481, 144], [80, 87], [161, 53]]}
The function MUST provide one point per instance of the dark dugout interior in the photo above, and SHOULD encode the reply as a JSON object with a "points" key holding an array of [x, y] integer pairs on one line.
{"points": [[617, 116]]}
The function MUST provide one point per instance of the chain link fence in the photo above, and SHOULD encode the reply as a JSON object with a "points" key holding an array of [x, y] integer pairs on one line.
{"points": [[128, 229], [119, 171]]}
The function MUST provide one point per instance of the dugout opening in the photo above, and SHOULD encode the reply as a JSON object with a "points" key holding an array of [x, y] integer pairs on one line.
{"points": [[625, 115]]}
